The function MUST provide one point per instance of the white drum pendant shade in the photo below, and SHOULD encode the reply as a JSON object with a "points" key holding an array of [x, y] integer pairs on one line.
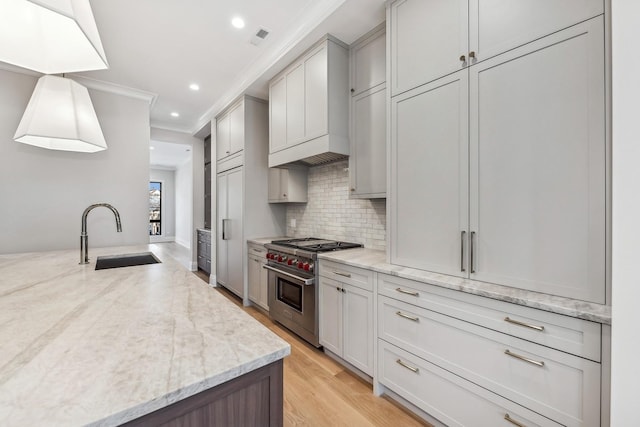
{"points": [[60, 116], [50, 36]]}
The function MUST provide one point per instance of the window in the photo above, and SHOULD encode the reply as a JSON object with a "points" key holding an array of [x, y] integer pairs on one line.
{"points": [[155, 205]]}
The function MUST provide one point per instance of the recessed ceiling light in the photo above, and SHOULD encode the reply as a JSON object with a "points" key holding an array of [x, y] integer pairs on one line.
{"points": [[174, 114], [237, 22], [152, 148], [194, 86]]}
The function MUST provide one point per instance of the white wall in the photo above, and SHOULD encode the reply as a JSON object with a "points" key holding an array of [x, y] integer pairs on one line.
{"points": [[184, 205], [625, 375], [168, 208], [44, 192], [196, 202]]}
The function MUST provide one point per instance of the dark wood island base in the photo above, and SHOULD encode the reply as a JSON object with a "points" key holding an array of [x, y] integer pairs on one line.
{"points": [[254, 399]]}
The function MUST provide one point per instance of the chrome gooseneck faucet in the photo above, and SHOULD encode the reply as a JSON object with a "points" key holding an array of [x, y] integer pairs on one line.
{"points": [[84, 249]]}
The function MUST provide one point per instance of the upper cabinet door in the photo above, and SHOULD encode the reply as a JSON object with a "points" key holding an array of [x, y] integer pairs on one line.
{"points": [[222, 137], [315, 94], [368, 64], [236, 129], [368, 160], [429, 176], [278, 115], [428, 37], [496, 26], [538, 165], [295, 104]]}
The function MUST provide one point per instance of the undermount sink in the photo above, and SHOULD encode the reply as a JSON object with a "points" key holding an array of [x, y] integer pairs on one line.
{"points": [[127, 260]]}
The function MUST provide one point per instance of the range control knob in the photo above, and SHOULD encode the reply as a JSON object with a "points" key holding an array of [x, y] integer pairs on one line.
{"points": [[268, 255], [306, 266], [310, 267], [279, 258], [291, 261], [300, 264]]}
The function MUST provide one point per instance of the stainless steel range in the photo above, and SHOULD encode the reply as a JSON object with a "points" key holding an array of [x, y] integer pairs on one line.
{"points": [[293, 278]]}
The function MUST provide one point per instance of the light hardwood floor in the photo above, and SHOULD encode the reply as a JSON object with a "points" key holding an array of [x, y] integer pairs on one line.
{"points": [[319, 392]]}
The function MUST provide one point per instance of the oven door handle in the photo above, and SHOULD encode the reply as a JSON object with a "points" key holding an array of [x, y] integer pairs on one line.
{"points": [[293, 276]]}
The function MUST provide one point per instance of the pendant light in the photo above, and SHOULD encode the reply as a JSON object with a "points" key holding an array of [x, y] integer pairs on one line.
{"points": [[50, 36], [60, 116]]}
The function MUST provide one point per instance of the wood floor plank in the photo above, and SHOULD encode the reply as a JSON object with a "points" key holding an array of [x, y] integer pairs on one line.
{"points": [[318, 391]]}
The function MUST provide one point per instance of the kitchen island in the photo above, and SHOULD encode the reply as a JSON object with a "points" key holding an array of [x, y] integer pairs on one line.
{"points": [[107, 347]]}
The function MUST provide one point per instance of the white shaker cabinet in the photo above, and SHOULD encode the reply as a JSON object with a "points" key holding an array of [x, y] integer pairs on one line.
{"points": [[427, 38], [346, 314], [538, 165], [257, 275], [368, 118], [432, 38], [230, 132], [230, 243], [288, 185], [429, 176], [243, 210], [525, 130]]}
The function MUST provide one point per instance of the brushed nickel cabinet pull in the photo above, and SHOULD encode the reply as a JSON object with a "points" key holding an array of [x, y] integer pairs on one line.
{"points": [[401, 314], [462, 234], [526, 325], [525, 359], [512, 421], [402, 291], [404, 365], [472, 55], [471, 260], [338, 289], [344, 291], [463, 58], [347, 275]]}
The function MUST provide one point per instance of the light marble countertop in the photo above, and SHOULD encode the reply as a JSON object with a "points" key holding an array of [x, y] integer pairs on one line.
{"points": [[265, 240], [87, 347], [376, 260]]}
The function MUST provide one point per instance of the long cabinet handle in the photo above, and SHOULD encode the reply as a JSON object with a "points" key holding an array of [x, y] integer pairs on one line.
{"points": [[406, 316], [224, 229], [413, 294], [471, 260], [347, 275], [525, 359], [512, 421], [462, 234], [409, 367], [526, 325]]}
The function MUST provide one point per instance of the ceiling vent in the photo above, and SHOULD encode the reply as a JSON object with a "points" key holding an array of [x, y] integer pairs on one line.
{"points": [[259, 36]]}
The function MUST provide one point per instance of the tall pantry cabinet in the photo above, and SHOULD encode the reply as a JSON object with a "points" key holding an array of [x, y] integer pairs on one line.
{"points": [[498, 142], [243, 210]]}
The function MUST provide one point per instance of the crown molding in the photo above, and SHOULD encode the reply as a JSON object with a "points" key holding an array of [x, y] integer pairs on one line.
{"points": [[313, 18], [116, 89], [164, 126]]}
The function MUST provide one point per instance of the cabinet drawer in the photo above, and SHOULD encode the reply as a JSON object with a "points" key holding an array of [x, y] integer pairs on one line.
{"points": [[575, 336], [347, 274], [558, 385], [257, 250], [447, 397]]}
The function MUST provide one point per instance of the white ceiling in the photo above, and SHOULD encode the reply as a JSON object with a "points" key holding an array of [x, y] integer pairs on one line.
{"points": [[167, 155], [162, 46]]}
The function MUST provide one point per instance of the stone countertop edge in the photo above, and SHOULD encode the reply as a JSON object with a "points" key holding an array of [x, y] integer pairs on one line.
{"points": [[376, 260], [265, 240], [168, 399]]}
